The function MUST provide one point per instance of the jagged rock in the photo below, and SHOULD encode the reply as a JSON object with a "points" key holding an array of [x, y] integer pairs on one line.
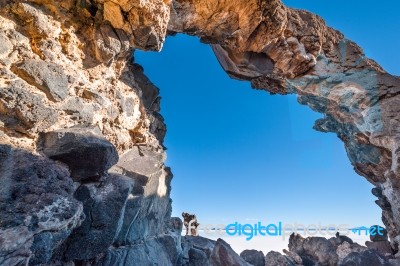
{"points": [[339, 239], [104, 207], [365, 258], [346, 248], [164, 249], [146, 166], [383, 247], [47, 77], [317, 249], [197, 258], [274, 258], [293, 257], [175, 224], [23, 110], [79, 110], [223, 255], [151, 98], [203, 244], [83, 149], [37, 209], [254, 257], [161, 250]]}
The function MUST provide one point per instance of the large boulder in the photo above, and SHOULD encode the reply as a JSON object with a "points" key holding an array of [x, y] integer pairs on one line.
{"points": [[254, 257], [223, 255], [104, 206], [86, 152]]}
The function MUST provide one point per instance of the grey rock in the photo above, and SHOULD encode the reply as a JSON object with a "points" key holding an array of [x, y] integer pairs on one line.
{"points": [[108, 43], [339, 239], [365, 258], [197, 258], [37, 208], [293, 257], [383, 247], [46, 246], [23, 110], [201, 243], [145, 215], [394, 262], [316, 249], [175, 224], [46, 76], [83, 149], [344, 249], [79, 110], [161, 250], [104, 207], [150, 93], [142, 160], [274, 258], [254, 257], [223, 255]]}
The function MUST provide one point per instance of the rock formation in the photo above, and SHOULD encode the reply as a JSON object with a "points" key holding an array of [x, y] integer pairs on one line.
{"points": [[81, 136], [190, 223]]}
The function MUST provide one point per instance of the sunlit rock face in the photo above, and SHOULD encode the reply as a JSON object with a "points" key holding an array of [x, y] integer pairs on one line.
{"points": [[67, 66], [82, 171], [284, 51]]}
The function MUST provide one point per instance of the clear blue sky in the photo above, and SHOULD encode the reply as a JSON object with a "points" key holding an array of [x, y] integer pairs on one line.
{"points": [[238, 153]]}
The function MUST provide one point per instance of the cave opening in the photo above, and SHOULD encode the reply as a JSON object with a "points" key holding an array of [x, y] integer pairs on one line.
{"points": [[244, 155]]}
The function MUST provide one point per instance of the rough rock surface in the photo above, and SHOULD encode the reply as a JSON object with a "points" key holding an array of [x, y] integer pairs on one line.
{"points": [[196, 250], [322, 251], [69, 63], [223, 255], [276, 258], [84, 150], [37, 208], [365, 258], [104, 206], [316, 249], [254, 257]]}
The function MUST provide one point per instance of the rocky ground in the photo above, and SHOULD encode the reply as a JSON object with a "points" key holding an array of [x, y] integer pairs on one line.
{"points": [[82, 173], [339, 250]]}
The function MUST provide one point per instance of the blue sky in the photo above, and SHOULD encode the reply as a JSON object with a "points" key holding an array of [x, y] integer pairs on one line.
{"points": [[238, 153]]}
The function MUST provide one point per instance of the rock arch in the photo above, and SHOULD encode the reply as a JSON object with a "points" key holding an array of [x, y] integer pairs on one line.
{"points": [[68, 63]]}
